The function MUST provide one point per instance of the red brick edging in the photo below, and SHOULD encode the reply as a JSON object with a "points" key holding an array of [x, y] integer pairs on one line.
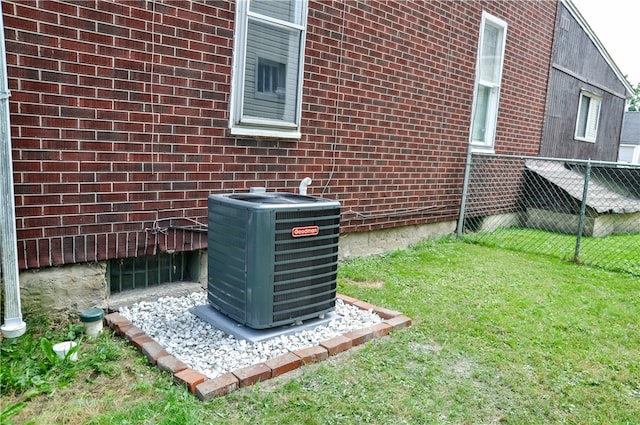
{"points": [[206, 388]]}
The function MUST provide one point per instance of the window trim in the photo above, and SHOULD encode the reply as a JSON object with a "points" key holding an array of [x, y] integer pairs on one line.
{"points": [[257, 126], [635, 153], [489, 144], [587, 137]]}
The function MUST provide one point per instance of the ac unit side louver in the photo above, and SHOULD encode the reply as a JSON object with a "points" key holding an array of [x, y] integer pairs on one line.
{"points": [[272, 257]]}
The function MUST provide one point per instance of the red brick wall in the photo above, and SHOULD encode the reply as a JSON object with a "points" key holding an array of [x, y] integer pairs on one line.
{"points": [[119, 113]]}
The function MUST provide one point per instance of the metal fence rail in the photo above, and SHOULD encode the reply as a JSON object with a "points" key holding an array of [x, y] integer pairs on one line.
{"points": [[583, 211]]}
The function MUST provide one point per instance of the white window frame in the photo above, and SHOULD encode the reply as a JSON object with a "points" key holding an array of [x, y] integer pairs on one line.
{"points": [[487, 145], [255, 126], [634, 151], [592, 117]]}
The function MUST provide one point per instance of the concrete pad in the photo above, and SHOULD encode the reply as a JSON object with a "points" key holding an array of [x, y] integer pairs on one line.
{"points": [[220, 321]]}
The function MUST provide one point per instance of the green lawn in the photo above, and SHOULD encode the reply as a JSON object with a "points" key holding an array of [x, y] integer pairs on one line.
{"points": [[619, 252], [498, 337]]}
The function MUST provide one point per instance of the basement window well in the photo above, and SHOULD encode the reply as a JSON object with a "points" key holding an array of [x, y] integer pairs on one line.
{"points": [[143, 272]]}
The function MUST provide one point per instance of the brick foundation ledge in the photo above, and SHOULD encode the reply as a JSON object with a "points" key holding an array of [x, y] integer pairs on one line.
{"points": [[206, 389]]}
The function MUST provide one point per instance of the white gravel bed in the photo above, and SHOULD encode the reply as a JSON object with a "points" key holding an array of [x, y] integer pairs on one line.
{"points": [[211, 351]]}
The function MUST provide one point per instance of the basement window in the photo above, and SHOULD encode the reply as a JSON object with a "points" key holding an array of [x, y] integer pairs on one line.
{"points": [[144, 272], [270, 84]]}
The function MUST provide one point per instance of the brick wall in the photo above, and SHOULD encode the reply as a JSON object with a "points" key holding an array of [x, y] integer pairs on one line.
{"points": [[119, 113]]}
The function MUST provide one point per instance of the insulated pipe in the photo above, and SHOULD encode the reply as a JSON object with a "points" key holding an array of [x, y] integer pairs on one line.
{"points": [[303, 185], [13, 326]]}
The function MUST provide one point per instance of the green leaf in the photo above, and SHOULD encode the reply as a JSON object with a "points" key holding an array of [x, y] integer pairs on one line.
{"points": [[11, 410], [72, 351], [47, 349]]}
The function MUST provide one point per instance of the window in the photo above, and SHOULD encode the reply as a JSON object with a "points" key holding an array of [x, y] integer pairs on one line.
{"points": [[268, 59], [270, 82], [144, 272], [493, 32], [629, 154], [588, 117]]}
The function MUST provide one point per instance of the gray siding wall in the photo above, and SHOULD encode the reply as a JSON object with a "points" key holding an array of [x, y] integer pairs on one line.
{"points": [[578, 65], [631, 128]]}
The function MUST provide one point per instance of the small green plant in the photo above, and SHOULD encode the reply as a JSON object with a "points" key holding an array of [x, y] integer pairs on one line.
{"points": [[11, 410], [47, 349], [30, 365]]}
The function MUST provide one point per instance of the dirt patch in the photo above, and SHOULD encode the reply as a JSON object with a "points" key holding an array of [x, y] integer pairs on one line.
{"points": [[463, 368], [434, 348], [364, 284]]}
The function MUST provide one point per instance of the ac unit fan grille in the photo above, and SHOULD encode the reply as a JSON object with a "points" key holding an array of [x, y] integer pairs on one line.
{"points": [[226, 257], [305, 282], [305, 268]]}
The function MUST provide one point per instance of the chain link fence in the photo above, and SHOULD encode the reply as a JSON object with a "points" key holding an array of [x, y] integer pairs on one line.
{"points": [[582, 211]]}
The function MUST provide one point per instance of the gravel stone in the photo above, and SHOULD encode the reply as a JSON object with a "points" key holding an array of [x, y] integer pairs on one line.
{"points": [[212, 352]]}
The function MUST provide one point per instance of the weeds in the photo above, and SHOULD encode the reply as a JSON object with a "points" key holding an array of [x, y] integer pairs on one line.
{"points": [[31, 367]]}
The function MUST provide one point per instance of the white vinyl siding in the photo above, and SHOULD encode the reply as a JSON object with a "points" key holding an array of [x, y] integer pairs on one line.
{"points": [[493, 33], [267, 72], [588, 117]]}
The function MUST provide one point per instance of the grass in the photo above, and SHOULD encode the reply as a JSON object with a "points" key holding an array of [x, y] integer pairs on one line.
{"points": [[498, 337], [617, 252]]}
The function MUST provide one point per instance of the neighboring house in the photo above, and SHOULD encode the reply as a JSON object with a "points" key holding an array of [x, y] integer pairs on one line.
{"points": [[630, 138], [586, 96], [126, 116]]}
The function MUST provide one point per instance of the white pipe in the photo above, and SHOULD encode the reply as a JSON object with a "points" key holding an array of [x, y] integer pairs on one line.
{"points": [[303, 185], [13, 326]]}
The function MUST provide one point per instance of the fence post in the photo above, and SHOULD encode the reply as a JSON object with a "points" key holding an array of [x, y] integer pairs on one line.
{"points": [[465, 188], [583, 210]]}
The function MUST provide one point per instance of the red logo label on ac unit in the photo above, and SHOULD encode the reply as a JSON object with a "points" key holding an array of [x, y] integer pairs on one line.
{"points": [[297, 232]]}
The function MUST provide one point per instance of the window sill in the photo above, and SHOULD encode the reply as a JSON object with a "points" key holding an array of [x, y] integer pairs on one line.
{"points": [[578, 139], [482, 148], [266, 132]]}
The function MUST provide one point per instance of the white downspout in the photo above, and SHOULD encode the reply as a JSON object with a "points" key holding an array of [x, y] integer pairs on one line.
{"points": [[303, 185], [13, 326]]}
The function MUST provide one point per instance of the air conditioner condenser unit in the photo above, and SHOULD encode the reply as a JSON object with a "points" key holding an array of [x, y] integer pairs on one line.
{"points": [[272, 257]]}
